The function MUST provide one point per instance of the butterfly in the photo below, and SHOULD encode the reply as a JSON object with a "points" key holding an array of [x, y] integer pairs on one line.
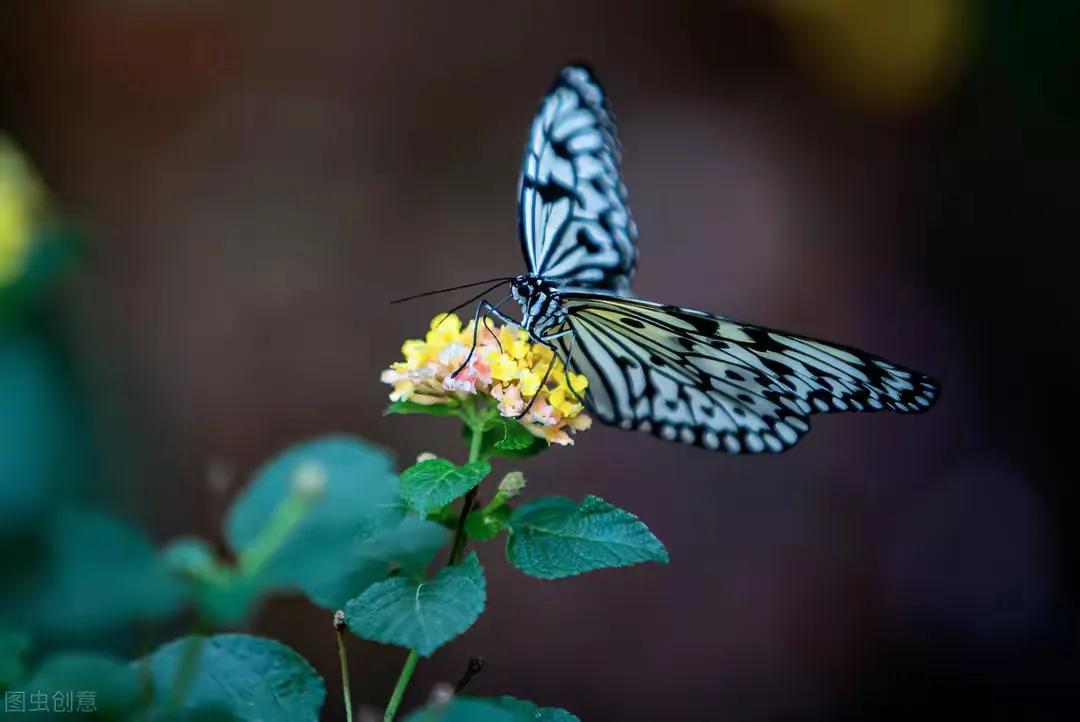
{"points": [[682, 375]]}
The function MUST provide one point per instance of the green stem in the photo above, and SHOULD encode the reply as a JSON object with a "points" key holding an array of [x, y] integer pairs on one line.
{"points": [[343, 655], [456, 549], [186, 669], [402, 683], [284, 519]]}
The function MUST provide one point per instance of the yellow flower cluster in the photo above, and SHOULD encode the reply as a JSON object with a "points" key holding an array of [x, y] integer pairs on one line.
{"points": [[506, 366], [20, 196]]}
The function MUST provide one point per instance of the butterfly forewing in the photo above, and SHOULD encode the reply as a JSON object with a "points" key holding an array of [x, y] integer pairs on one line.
{"points": [[692, 377], [574, 223]]}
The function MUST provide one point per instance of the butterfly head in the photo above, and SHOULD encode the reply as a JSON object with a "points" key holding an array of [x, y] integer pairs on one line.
{"points": [[541, 307]]}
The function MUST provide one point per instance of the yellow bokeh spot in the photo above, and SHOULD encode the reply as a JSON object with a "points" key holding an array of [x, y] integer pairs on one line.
{"points": [[21, 196], [890, 54]]}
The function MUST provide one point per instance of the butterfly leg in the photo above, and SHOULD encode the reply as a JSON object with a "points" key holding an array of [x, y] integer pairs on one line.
{"points": [[487, 325], [543, 382], [483, 309], [545, 341], [566, 367]]}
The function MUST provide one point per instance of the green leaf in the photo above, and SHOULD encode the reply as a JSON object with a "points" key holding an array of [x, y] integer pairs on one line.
{"points": [[235, 676], [508, 439], [193, 558], [93, 574], [555, 537], [489, 709], [436, 482], [421, 616], [409, 547], [220, 593], [318, 542], [515, 437], [12, 649], [113, 685], [411, 407], [40, 454], [485, 525]]}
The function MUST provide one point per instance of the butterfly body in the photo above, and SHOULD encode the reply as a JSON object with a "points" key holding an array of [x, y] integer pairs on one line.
{"points": [[680, 374], [540, 303]]}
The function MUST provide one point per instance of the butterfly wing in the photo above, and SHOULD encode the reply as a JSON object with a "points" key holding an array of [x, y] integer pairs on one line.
{"points": [[688, 376], [573, 220]]}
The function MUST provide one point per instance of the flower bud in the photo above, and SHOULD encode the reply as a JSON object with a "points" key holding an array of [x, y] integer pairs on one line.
{"points": [[512, 485]]}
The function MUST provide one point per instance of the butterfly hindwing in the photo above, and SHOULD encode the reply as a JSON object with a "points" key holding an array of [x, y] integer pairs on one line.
{"points": [[689, 376], [573, 220]]}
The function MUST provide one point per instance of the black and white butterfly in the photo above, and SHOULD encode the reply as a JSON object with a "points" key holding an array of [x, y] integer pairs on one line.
{"points": [[680, 374]]}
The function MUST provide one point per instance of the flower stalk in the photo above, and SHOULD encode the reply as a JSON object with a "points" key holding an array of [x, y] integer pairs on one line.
{"points": [[343, 656], [477, 422]]}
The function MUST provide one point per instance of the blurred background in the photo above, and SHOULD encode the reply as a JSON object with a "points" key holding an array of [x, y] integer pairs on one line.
{"points": [[216, 201]]}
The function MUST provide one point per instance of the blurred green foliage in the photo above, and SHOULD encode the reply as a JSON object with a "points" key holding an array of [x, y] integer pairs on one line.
{"points": [[328, 518]]}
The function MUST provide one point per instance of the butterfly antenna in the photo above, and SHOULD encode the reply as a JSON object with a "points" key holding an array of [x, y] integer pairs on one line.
{"points": [[455, 288], [463, 304]]}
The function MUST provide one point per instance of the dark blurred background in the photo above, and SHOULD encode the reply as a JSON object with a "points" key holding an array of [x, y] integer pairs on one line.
{"points": [[255, 180]]}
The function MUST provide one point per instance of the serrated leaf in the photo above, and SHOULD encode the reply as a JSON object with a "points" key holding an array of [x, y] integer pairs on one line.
{"points": [[421, 616], [485, 526], [236, 677], [490, 709], [411, 407], [556, 537], [507, 439], [436, 482], [515, 438]]}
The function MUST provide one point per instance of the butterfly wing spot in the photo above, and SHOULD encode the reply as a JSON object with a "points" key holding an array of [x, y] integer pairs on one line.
{"points": [[740, 390], [754, 443], [787, 433]]}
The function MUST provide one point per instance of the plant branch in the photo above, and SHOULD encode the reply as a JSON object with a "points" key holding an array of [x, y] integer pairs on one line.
{"points": [[460, 539], [476, 665], [343, 655], [477, 426], [402, 683]]}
